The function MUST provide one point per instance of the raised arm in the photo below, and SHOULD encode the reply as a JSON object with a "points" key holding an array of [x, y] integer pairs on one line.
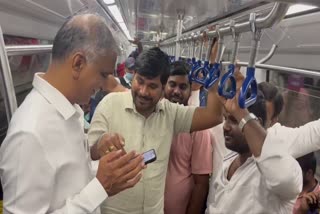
{"points": [[211, 115], [280, 170]]}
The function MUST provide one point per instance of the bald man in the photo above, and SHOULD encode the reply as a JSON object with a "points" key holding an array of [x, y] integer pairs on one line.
{"points": [[45, 159]]}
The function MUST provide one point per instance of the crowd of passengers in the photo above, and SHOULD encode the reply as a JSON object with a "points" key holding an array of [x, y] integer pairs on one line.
{"points": [[213, 157]]}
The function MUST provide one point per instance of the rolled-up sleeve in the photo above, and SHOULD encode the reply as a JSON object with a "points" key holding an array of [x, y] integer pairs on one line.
{"points": [[280, 170]]}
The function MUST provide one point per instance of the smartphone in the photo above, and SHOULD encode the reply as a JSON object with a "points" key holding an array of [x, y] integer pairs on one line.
{"points": [[149, 156]]}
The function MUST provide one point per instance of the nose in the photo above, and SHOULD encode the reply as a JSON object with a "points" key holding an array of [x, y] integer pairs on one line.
{"points": [[177, 91], [144, 91], [226, 126]]}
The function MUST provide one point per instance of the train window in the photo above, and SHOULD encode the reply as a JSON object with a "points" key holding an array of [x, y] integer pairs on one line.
{"points": [[24, 67], [22, 71], [301, 101]]}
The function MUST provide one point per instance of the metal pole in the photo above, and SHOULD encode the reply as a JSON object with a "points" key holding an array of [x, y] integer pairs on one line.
{"points": [[236, 41], [255, 42], [8, 87], [22, 50], [269, 55], [179, 32], [221, 46], [276, 15], [299, 71]]}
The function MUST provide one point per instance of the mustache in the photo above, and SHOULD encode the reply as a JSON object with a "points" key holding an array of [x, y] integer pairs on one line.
{"points": [[144, 98], [176, 96]]}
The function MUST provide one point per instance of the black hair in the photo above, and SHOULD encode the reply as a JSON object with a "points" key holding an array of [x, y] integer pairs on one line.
{"points": [[180, 68], [152, 63], [308, 162], [259, 107], [272, 94]]}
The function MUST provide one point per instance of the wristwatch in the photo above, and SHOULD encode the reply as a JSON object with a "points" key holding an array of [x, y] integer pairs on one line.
{"points": [[246, 119]]}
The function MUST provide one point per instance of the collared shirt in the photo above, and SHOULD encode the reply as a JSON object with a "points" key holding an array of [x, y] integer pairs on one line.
{"points": [[44, 160], [191, 154], [116, 113], [263, 185]]}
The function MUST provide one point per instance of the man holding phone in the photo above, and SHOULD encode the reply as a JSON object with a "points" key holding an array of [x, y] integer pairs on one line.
{"points": [[146, 121]]}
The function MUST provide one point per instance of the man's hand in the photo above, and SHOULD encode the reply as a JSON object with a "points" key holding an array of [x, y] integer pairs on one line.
{"points": [[106, 144], [311, 198], [231, 105], [109, 143], [117, 172]]}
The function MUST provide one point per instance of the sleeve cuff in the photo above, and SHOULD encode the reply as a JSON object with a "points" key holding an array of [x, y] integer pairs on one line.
{"points": [[95, 193]]}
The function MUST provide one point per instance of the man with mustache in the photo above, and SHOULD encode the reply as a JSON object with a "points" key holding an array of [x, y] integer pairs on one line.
{"points": [[254, 178], [190, 162], [146, 121]]}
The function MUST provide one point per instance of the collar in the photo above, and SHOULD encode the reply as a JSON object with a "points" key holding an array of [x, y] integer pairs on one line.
{"points": [[130, 105], [55, 97]]}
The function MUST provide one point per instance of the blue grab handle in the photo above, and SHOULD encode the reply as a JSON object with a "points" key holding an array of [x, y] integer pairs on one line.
{"points": [[194, 69], [249, 84], [228, 93], [189, 61], [213, 76], [204, 70]]}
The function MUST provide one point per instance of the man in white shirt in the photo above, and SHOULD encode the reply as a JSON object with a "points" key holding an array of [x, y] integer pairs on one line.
{"points": [[256, 177], [45, 159]]}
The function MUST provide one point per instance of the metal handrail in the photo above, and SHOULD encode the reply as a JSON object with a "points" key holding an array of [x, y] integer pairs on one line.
{"points": [[299, 71], [269, 55], [276, 15], [8, 87], [18, 50], [9, 96]]}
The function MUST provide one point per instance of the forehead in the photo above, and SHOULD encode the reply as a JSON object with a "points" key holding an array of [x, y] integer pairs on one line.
{"points": [[179, 79], [156, 80]]}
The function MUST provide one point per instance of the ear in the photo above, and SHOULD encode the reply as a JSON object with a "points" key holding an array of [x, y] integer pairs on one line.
{"points": [[309, 173], [78, 63]]}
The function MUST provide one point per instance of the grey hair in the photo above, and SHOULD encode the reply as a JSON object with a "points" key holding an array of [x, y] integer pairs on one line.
{"points": [[87, 33]]}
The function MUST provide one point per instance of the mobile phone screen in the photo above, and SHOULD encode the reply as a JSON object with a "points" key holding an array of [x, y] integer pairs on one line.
{"points": [[149, 156]]}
